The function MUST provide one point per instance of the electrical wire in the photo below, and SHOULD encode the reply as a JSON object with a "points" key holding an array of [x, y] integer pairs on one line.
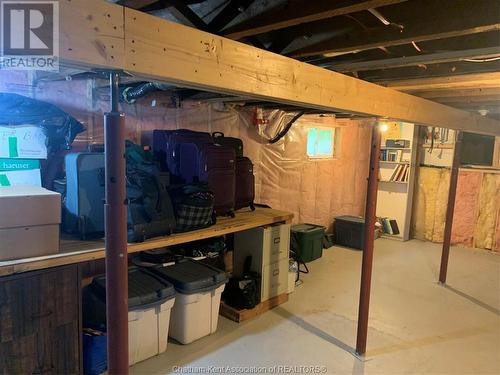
{"points": [[482, 60], [416, 47], [287, 127]]}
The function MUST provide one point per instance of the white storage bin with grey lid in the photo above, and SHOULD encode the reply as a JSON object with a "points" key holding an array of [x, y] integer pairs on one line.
{"points": [[150, 300], [196, 310]]}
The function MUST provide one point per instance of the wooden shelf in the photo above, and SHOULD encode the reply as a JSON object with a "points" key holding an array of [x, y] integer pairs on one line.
{"points": [[395, 162], [74, 251], [245, 314], [392, 236], [394, 182], [396, 148]]}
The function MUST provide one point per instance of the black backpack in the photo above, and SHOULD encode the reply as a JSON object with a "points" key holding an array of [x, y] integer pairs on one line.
{"points": [[150, 212]]}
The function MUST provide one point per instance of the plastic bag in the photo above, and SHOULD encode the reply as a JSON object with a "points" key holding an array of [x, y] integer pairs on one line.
{"points": [[59, 127]]}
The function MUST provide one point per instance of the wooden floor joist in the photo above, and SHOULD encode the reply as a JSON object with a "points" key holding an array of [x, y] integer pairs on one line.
{"points": [[97, 34], [456, 82]]}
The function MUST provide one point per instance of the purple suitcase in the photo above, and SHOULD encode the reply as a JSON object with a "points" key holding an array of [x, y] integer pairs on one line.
{"points": [[215, 165], [166, 146], [245, 184]]}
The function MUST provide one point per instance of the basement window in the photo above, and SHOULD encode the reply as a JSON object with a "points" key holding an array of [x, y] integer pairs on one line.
{"points": [[320, 143]]}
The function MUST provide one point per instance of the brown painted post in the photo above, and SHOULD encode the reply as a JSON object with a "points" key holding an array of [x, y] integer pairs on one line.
{"points": [[116, 237], [450, 208], [369, 233]]}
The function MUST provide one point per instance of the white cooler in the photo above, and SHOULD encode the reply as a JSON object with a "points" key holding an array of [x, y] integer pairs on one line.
{"points": [[196, 309], [150, 302]]}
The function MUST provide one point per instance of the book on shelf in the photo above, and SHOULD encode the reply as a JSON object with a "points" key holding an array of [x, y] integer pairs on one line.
{"points": [[391, 155], [389, 226], [394, 226], [401, 173]]}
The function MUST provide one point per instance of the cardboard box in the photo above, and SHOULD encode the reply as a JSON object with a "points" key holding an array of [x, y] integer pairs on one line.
{"points": [[31, 177], [23, 141], [30, 241], [29, 221], [23, 206], [20, 172]]}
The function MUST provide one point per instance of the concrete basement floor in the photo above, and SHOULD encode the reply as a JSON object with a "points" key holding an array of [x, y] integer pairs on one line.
{"points": [[416, 326]]}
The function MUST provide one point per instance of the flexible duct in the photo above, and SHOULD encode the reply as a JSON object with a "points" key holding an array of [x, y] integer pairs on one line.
{"points": [[132, 93]]}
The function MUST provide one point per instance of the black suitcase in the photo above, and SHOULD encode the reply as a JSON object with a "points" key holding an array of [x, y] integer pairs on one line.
{"points": [[245, 184], [235, 143]]}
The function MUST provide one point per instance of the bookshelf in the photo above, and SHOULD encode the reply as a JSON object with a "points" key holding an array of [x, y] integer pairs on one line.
{"points": [[396, 179]]}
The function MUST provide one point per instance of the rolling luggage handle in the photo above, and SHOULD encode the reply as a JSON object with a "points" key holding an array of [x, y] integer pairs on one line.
{"points": [[217, 135]]}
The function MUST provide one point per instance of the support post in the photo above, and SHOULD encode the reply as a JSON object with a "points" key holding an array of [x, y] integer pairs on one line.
{"points": [[450, 208], [369, 238], [116, 236]]}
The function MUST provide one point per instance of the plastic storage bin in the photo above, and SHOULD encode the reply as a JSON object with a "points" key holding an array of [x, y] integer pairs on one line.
{"points": [[150, 300], [349, 231], [307, 241], [196, 310]]}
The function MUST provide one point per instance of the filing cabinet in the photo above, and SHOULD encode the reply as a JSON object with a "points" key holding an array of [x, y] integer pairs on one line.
{"points": [[269, 247]]}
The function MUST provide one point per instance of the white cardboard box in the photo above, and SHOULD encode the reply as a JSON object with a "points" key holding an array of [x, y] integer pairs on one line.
{"points": [[23, 141], [29, 241], [22, 177], [29, 222], [15, 171], [25, 205]]}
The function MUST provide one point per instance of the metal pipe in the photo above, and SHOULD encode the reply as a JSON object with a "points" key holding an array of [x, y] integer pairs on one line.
{"points": [[114, 80], [116, 236], [369, 238], [450, 208]]}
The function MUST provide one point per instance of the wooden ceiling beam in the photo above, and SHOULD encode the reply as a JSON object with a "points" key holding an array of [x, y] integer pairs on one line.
{"points": [[470, 100], [429, 71], [98, 34], [460, 93], [489, 80], [429, 58], [301, 11], [139, 4], [437, 21]]}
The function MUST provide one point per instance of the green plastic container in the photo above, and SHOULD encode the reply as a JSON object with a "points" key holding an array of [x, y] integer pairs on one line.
{"points": [[307, 241]]}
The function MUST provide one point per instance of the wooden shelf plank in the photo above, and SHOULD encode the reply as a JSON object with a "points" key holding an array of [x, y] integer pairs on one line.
{"points": [[74, 251], [394, 182], [394, 162], [245, 314]]}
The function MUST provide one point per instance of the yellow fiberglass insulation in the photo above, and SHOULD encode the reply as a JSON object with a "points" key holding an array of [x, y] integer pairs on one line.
{"points": [[484, 231]]}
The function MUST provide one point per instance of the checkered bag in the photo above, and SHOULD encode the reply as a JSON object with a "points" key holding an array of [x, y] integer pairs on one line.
{"points": [[194, 207]]}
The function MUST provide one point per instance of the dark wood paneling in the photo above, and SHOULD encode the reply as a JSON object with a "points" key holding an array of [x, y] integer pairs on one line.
{"points": [[39, 325]]}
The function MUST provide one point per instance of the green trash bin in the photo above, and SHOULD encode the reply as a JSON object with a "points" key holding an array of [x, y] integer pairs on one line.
{"points": [[307, 241]]}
